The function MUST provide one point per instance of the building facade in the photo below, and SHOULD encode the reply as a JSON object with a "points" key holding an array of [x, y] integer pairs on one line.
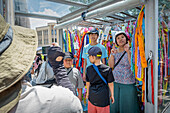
{"points": [[46, 35]]}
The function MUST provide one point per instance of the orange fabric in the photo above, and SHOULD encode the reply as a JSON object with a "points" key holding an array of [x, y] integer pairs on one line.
{"points": [[136, 52], [143, 86], [141, 42], [77, 63]]}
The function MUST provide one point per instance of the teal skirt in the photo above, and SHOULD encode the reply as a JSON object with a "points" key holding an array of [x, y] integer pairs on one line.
{"points": [[126, 101]]}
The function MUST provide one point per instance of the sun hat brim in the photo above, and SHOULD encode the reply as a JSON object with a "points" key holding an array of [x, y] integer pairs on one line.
{"points": [[18, 57]]}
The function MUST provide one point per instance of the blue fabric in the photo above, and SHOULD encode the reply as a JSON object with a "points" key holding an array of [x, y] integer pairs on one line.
{"points": [[97, 70], [85, 52]]}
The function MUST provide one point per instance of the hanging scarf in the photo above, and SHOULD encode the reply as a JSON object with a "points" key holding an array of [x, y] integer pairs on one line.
{"points": [[133, 50], [79, 55], [139, 42], [72, 44], [65, 41], [163, 57]]}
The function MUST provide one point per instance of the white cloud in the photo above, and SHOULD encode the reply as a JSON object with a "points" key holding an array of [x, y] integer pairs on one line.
{"points": [[48, 12], [44, 4], [34, 22]]}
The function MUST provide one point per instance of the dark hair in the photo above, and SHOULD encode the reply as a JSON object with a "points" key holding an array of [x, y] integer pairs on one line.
{"points": [[121, 34], [94, 33]]}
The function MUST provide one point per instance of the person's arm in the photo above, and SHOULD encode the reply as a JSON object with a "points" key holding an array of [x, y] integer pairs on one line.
{"points": [[80, 94], [84, 70], [88, 85], [104, 54], [111, 61], [111, 87]]}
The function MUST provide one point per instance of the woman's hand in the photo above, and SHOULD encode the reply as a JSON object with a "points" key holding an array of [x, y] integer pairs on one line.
{"points": [[126, 47], [114, 50]]}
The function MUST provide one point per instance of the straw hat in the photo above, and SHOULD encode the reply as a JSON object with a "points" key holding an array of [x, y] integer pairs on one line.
{"points": [[17, 51]]}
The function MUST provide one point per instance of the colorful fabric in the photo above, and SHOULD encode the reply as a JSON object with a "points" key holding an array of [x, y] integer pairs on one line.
{"points": [[122, 72]]}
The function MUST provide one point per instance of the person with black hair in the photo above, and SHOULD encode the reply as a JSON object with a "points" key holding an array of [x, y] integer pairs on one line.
{"points": [[124, 85], [93, 35]]}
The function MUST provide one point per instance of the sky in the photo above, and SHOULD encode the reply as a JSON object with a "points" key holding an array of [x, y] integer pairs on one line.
{"points": [[45, 8]]}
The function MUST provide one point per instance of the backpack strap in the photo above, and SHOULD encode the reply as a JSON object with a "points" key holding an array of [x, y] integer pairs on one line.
{"points": [[97, 70]]}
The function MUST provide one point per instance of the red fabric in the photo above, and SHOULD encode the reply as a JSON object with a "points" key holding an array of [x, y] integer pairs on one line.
{"points": [[94, 109], [152, 81], [77, 63]]}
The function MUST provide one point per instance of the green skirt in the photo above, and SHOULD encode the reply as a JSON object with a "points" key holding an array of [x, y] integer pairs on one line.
{"points": [[126, 101]]}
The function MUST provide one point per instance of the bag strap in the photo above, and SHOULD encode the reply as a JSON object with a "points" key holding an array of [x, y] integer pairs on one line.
{"points": [[97, 70], [119, 59], [69, 71]]}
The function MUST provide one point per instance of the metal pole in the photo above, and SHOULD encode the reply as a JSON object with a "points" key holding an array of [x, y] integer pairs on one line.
{"points": [[151, 35], [10, 12], [60, 41]]}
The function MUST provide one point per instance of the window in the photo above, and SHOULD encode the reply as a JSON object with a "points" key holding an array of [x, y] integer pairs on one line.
{"points": [[45, 32], [39, 33]]}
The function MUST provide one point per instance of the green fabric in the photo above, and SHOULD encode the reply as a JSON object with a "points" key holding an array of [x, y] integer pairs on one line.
{"points": [[125, 96]]}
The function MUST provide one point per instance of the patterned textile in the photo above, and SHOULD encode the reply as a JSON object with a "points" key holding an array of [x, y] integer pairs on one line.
{"points": [[122, 72]]}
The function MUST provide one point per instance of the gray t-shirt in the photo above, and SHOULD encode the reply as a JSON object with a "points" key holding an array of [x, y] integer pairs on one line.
{"points": [[56, 99], [75, 78]]}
